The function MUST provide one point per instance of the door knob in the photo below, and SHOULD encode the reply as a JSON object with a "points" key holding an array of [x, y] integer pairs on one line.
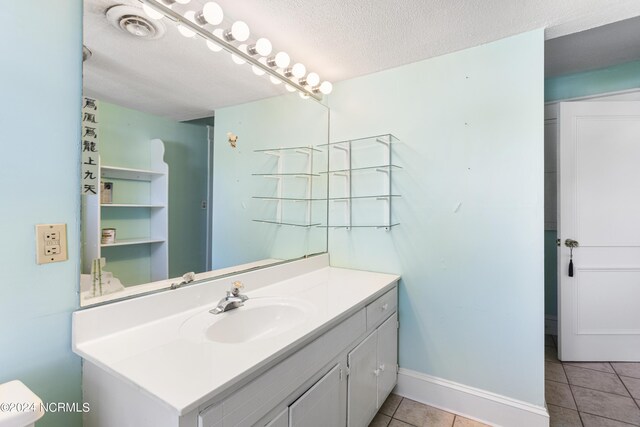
{"points": [[570, 243]]}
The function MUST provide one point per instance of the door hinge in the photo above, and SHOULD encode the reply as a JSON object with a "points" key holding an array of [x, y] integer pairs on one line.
{"points": [[397, 369], [557, 242], [398, 324]]}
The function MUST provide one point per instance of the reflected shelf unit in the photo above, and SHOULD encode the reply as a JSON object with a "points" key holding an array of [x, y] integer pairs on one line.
{"points": [[139, 214], [361, 181], [288, 192]]}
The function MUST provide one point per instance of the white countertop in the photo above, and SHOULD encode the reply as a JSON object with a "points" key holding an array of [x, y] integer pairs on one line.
{"points": [[185, 370]]}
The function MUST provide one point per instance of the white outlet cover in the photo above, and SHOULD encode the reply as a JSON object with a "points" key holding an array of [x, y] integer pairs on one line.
{"points": [[51, 243]]}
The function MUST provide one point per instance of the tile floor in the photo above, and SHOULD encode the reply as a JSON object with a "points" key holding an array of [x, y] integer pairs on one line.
{"points": [[398, 411], [599, 394]]}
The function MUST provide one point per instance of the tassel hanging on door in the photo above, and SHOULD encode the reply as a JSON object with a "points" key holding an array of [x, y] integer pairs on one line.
{"points": [[571, 261], [570, 268]]}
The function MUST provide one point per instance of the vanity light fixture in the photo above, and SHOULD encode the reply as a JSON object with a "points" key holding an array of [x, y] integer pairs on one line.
{"points": [[262, 47], [211, 13], [239, 31], [191, 16], [256, 54]]}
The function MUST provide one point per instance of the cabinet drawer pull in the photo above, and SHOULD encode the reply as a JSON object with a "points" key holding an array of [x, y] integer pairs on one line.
{"points": [[376, 372], [381, 368], [384, 307]]}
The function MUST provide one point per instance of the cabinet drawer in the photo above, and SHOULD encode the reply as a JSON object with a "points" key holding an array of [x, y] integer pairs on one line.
{"points": [[381, 308]]}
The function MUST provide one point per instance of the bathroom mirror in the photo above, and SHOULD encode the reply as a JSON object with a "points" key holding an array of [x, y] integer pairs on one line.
{"points": [[205, 166]]}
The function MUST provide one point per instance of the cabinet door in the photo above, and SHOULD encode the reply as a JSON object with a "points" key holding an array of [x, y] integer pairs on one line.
{"points": [[362, 393], [281, 420], [387, 357], [320, 405]]}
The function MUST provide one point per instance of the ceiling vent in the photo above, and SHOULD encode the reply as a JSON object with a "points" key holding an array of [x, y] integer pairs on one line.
{"points": [[133, 21]]}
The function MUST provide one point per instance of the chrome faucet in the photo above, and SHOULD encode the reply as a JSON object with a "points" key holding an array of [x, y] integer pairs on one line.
{"points": [[234, 299]]}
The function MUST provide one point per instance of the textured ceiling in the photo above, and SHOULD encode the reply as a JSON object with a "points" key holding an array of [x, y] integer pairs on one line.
{"points": [[180, 78]]}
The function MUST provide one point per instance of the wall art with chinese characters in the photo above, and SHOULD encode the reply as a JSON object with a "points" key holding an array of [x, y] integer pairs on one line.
{"points": [[89, 147]]}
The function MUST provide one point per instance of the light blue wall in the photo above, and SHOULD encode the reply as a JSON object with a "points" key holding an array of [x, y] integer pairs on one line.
{"points": [[124, 139], [41, 56], [470, 244], [282, 121], [611, 79]]}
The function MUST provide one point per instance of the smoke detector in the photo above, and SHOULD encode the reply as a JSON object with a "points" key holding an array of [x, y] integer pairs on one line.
{"points": [[133, 21]]}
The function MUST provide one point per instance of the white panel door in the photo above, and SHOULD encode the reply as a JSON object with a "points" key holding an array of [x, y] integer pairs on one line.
{"points": [[320, 405], [599, 199], [363, 383], [387, 357]]}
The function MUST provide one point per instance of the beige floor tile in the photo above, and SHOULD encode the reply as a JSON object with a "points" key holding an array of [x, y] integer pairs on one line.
{"points": [[380, 420], [563, 417], [418, 414], [627, 369], [411, 412], [466, 422], [398, 423], [607, 405], [633, 384], [391, 404], [594, 421], [438, 418], [554, 372], [551, 354], [558, 394], [596, 366], [596, 380]]}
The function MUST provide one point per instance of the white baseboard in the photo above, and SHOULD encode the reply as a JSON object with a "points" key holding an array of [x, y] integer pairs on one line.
{"points": [[550, 325], [469, 402]]}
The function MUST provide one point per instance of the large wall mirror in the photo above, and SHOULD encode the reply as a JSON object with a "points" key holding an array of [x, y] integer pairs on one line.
{"points": [[204, 166]]}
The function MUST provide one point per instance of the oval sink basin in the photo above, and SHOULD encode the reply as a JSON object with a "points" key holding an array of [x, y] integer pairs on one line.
{"points": [[258, 319]]}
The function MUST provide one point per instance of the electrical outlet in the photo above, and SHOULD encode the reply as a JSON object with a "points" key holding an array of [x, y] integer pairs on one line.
{"points": [[51, 243]]}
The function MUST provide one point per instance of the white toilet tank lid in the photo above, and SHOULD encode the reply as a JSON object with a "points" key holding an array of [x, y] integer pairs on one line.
{"points": [[20, 406]]}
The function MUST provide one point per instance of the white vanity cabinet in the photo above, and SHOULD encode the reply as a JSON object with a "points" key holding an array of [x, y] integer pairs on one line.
{"points": [[320, 406], [335, 371], [340, 379], [373, 372]]}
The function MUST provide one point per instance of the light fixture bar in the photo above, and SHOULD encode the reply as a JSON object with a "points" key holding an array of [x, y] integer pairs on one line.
{"points": [[171, 14]]}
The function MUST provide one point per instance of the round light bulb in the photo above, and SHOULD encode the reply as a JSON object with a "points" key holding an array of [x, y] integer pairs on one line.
{"points": [[274, 80], [303, 95], [326, 87], [183, 1], [212, 13], [313, 79], [240, 31], [257, 70], [151, 12], [263, 46], [282, 59], [219, 33], [238, 60], [190, 15], [290, 88], [214, 47], [298, 70]]}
